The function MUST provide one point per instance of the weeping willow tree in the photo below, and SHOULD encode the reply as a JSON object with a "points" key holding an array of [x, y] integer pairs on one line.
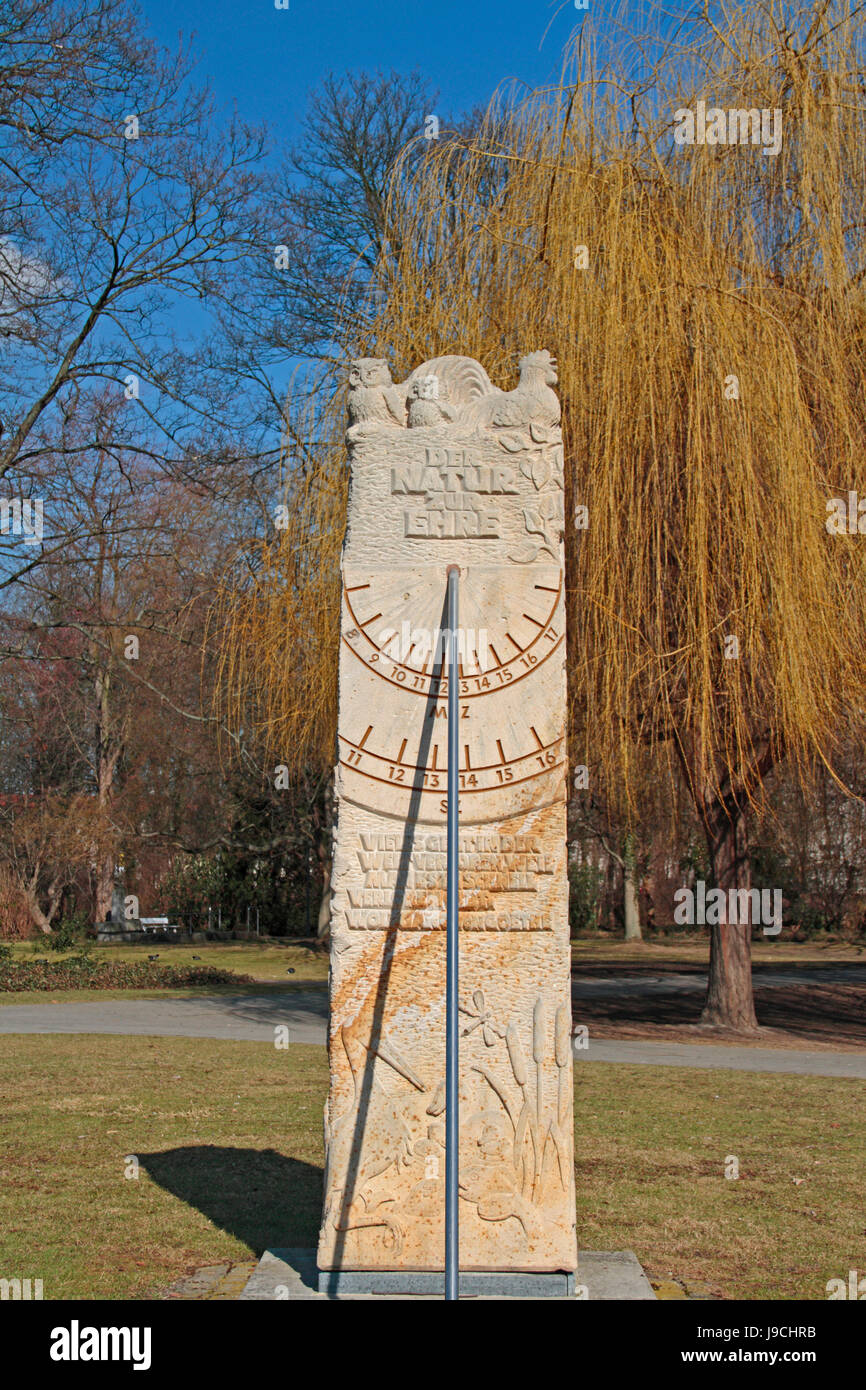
{"points": [[707, 307], [275, 626]]}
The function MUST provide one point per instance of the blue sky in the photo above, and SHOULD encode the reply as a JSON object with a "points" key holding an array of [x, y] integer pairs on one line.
{"points": [[267, 59]]}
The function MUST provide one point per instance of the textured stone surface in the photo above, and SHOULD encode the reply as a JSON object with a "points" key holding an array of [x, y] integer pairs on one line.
{"points": [[220, 1282], [446, 469]]}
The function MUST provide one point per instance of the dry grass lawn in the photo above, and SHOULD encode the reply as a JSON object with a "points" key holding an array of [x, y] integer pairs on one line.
{"points": [[228, 1136]]}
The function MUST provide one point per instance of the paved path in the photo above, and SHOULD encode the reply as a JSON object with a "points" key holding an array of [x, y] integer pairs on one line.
{"points": [[252, 1018], [655, 982], [243, 1017], [672, 1054]]}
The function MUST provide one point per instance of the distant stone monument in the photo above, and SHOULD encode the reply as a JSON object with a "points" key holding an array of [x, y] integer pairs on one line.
{"points": [[118, 927], [447, 469]]}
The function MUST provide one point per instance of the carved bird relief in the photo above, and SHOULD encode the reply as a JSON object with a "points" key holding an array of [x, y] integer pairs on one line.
{"points": [[478, 404], [451, 390], [374, 400], [532, 402], [427, 403]]}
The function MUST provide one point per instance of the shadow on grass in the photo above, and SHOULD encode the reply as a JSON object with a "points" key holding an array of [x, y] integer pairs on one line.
{"points": [[812, 1013], [257, 1195]]}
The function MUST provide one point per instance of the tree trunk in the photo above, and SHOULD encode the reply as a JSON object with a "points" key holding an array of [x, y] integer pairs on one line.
{"points": [[104, 887], [108, 751], [730, 1001], [630, 905], [40, 919]]}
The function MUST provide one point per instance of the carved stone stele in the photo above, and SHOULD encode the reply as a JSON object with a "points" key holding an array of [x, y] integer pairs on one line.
{"points": [[446, 469]]}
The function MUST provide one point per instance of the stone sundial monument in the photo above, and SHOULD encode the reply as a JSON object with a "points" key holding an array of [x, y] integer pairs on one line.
{"points": [[448, 470]]}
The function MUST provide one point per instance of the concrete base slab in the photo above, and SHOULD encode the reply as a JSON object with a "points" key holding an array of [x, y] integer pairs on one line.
{"points": [[613, 1274], [284, 1274], [473, 1283]]}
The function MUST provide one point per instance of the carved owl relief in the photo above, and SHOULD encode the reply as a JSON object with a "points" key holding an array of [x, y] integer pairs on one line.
{"points": [[374, 400]]}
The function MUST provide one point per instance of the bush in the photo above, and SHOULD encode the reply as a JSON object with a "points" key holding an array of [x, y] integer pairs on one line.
{"points": [[84, 972], [812, 921], [68, 933]]}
